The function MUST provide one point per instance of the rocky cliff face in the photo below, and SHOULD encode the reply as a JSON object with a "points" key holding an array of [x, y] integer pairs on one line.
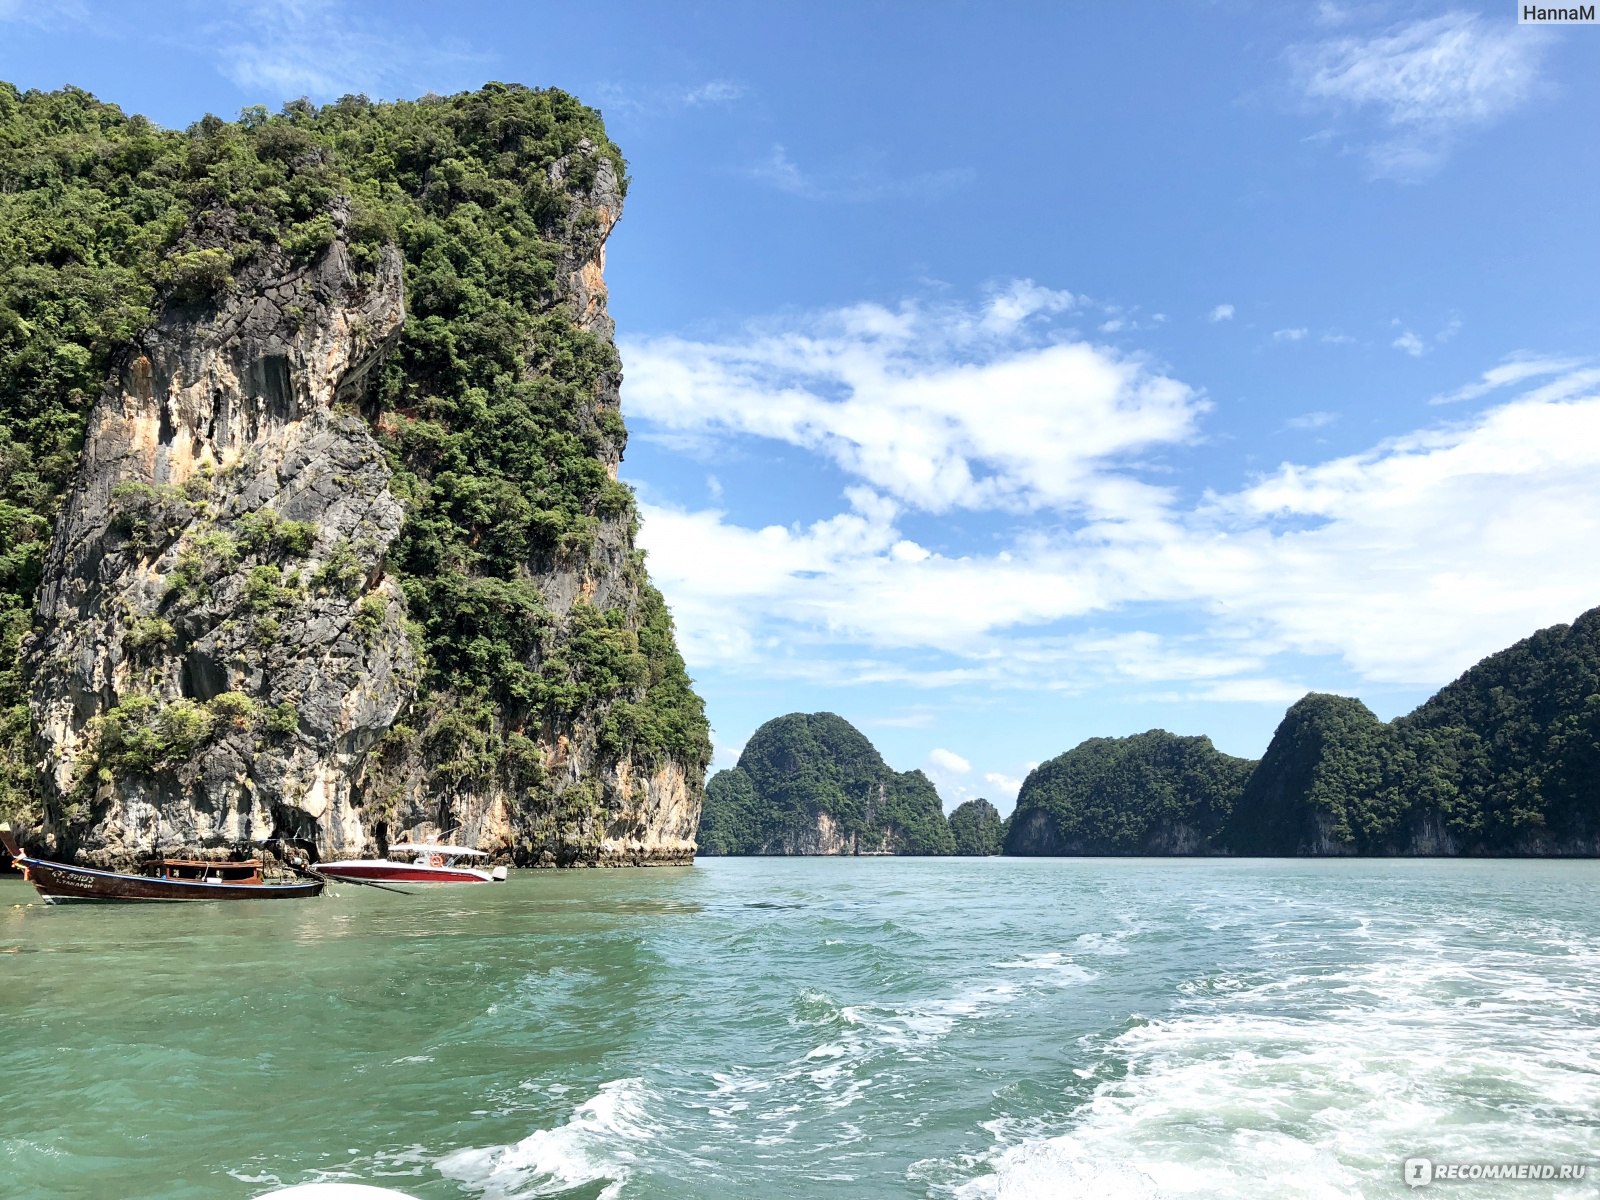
{"points": [[217, 646], [581, 803], [227, 649]]}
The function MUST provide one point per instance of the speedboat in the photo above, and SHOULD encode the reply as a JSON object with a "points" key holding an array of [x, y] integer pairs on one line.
{"points": [[430, 862]]}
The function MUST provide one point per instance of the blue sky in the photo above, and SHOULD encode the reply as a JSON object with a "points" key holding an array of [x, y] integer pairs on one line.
{"points": [[1005, 375]]}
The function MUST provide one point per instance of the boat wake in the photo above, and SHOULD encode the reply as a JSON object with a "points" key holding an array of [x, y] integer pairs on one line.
{"points": [[1316, 1076], [602, 1141]]}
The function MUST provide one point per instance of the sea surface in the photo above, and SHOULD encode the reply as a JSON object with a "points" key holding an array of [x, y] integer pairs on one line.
{"points": [[970, 1029]]}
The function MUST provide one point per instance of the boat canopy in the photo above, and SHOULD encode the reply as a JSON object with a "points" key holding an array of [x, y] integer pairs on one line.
{"points": [[433, 848]]}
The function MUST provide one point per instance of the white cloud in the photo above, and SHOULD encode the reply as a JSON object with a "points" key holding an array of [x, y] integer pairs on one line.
{"points": [[1289, 335], [1004, 786], [715, 91], [1018, 302], [1312, 420], [1277, 693], [636, 100], [1515, 369], [1411, 344], [326, 48], [45, 14], [936, 407], [856, 184], [1425, 82], [1416, 345], [949, 760], [1406, 563], [1222, 312]]}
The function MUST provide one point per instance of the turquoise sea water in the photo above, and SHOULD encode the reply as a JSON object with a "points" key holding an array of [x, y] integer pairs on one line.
{"points": [[816, 1028]]}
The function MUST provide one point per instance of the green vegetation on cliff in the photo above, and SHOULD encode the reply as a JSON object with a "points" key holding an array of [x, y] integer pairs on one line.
{"points": [[496, 407], [1505, 760], [811, 783], [1326, 780], [977, 828], [1153, 793]]}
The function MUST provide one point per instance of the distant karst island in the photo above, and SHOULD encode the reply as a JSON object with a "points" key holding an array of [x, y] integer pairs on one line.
{"points": [[1504, 761]]}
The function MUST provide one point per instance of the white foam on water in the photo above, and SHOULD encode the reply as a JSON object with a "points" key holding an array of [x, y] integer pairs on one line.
{"points": [[1049, 1171], [1317, 1075], [599, 1143], [1106, 943]]}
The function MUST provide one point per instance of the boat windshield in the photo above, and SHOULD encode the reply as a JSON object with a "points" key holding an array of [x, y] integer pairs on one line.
{"points": [[426, 851]]}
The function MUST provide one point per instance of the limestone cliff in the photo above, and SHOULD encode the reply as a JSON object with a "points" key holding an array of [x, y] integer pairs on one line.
{"points": [[345, 558], [218, 646]]}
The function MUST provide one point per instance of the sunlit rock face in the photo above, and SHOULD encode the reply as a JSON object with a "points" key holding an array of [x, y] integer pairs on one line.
{"points": [[218, 646]]}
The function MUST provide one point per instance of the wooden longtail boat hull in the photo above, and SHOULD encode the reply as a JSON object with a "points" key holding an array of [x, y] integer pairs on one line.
{"points": [[59, 883]]}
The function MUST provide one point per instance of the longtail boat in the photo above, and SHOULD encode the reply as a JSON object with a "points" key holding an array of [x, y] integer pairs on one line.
{"points": [[163, 879]]}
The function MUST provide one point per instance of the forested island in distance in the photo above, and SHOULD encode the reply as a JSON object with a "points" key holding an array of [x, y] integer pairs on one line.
{"points": [[1504, 761]]}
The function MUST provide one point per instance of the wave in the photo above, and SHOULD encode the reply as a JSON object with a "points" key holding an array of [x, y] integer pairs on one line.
{"points": [[1314, 1076], [600, 1143]]}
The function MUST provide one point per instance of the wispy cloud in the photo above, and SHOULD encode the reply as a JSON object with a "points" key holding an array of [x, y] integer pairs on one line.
{"points": [[1290, 335], [1406, 562], [1516, 368], [912, 720], [44, 14], [715, 91], [1004, 787], [1414, 344], [1312, 420], [1222, 312], [649, 100], [327, 48], [1411, 344], [1421, 85], [854, 184]]}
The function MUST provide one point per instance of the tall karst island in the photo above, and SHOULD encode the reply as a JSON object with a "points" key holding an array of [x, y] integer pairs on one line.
{"points": [[309, 435]]}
